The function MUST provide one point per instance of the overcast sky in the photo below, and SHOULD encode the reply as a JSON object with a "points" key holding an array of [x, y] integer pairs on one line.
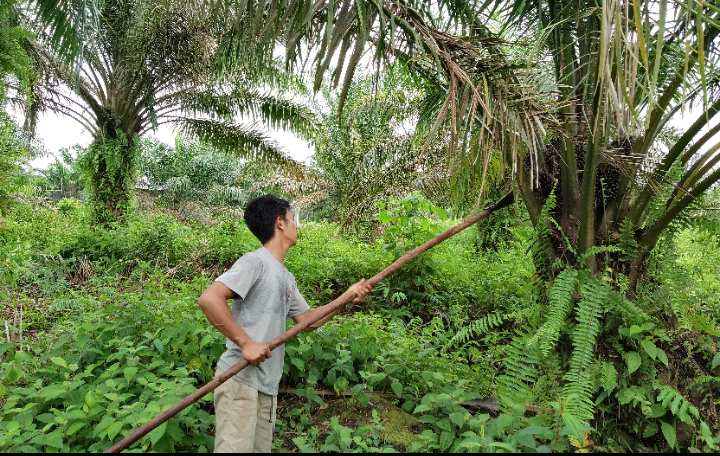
{"points": [[58, 132]]}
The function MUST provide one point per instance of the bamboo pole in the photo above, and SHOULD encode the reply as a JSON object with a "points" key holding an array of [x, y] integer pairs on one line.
{"points": [[298, 328]]}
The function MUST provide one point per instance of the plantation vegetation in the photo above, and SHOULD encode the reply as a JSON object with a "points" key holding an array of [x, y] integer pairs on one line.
{"points": [[583, 316]]}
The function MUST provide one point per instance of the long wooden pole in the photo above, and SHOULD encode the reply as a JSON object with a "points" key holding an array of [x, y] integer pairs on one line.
{"points": [[297, 329]]}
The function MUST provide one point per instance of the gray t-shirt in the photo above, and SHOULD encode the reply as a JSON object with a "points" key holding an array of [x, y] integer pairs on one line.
{"points": [[267, 296]]}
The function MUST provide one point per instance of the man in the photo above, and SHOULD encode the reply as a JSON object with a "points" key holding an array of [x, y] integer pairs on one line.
{"points": [[264, 295]]}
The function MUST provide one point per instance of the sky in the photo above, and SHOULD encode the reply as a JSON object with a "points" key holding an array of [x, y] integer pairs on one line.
{"points": [[59, 132]]}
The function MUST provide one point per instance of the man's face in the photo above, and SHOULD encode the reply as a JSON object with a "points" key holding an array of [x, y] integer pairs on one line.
{"points": [[290, 231]]}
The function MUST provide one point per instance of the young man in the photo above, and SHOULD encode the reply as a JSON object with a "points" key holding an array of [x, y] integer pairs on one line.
{"points": [[264, 295]]}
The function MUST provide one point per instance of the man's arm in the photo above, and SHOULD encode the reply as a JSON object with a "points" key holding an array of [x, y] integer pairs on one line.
{"points": [[361, 291], [213, 303]]}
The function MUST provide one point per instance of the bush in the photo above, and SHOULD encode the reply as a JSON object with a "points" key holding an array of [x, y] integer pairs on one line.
{"points": [[69, 206], [110, 370]]}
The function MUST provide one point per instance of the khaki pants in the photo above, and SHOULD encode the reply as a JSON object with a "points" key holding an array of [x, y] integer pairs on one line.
{"points": [[245, 418]]}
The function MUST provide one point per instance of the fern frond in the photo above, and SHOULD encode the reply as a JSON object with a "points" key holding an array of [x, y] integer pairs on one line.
{"points": [[598, 249], [608, 377], [64, 305], [628, 311], [594, 293], [628, 245], [670, 398], [542, 245], [561, 301], [478, 327], [514, 386]]}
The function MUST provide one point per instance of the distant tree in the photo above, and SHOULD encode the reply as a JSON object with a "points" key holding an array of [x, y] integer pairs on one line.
{"points": [[192, 171], [64, 174], [146, 64]]}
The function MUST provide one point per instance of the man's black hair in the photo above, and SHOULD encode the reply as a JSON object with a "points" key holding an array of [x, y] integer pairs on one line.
{"points": [[261, 214]]}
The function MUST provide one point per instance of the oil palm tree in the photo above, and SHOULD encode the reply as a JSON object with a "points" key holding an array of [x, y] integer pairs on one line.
{"points": [[378, 148], [146, 64]]}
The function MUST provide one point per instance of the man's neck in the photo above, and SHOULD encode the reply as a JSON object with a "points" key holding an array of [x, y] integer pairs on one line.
{"points": [[278, 249]]}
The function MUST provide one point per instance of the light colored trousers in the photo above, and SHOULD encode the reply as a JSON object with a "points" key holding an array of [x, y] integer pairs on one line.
{"points": [[244, 418]]}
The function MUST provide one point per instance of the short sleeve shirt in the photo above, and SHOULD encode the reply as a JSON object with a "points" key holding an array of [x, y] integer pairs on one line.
{"points": [[267, 296]]}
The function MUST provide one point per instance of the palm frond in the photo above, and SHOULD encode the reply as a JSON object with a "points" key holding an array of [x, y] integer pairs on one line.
{"points": [[249, 142], [273, 110]]}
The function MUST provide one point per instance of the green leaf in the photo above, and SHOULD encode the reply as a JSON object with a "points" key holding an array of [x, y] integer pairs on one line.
{"points": [[396, 387], [650, 348], [508, 447], [14, 374], [662, 357], [114, 430], [446, 439], [650, 430], [458, 418], [384, 217], [427, 419], [157, 433], [422, 408], [5, 347], [440, 212], [206, 340], [74, 428], [298, 363], [60, 362], [634, 329], [75, 415], [130, 373], [376, 378], [444, 424], [716, 361], [2, 391], [633, 361], [174, 431], [574, 425], [535, 430], [52, 391], [364, 399], [669, 432], [159, 345], [55, 440]]}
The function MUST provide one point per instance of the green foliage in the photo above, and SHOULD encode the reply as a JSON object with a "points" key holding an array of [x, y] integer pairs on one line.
{"points": [[593, 294], [478, 327], [192, 172], [96, 382], [541, 246], [12, 155], [14, 61], [407, 224], [514, 386], [64, 175], [453, 428], [560, 305], [342, 439], [109, 168], [366, 353]]}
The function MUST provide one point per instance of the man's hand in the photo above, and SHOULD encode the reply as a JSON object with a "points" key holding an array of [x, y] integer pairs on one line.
{"points": [[255, 352], [361, 291]]}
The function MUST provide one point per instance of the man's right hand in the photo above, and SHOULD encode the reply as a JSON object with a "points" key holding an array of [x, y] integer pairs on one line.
{"points": [[255, 352]]}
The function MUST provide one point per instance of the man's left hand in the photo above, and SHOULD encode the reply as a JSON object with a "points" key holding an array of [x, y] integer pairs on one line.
{"points": [[361, 290]]}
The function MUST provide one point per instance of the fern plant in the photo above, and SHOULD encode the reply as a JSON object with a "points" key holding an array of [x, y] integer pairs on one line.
{"points": [[514, 386], [542, 244], [593, 292], [477, 328], [561, 302]]}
